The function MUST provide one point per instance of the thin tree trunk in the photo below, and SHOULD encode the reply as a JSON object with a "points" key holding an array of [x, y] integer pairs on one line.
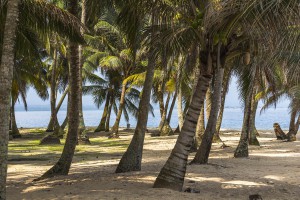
{"points": [[82, 137], [200, 129], [291, 135], [164, 127], [172, 174], [115, 128], [179, 108], [14, 128], [223, 99], [58, 106], [109, 114], [101, 126], [242, 148], [6, 76], [132, 158], [172, 108], [252, 139], [202, 154], [62, 167]]}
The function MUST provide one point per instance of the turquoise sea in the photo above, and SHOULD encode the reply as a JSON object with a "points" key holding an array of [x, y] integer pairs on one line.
{"points": [[38, 116]]}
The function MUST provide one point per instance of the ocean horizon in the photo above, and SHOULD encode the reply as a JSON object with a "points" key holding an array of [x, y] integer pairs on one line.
{"points": [[38, 116]]}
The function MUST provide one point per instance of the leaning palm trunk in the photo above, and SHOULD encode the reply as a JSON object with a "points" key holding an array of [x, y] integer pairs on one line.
{"points": [[115, 128], [242, 148], [252, 132], [132, 158], [164, 127], [6, 75], [293, 129], [200, 129], [58, 106], [63, 165], [172, 174], [15, 133], [101, 126], [202, 154], [223, 98], [109, 114]]}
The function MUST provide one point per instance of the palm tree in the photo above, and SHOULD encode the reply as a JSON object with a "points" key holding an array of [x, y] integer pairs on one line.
{"points": [[63, 165], [6, 75], [230, 13]]}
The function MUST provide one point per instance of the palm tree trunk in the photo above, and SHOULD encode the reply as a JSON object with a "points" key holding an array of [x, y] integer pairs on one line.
{"points": [[164, 127], [14, 128], [252, 139], [179, 108], [132, 158], [223, 99], [115, 128], [172, 108], [101, 126], [202, 154], [82, 137], [242, 148], [62, 167], [109, 114], [291, 135], [172, 174], [6, 75], [200, 129], [58, 106]]}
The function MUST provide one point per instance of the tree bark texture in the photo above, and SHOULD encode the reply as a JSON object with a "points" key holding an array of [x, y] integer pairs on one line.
{"points": [[172, 174], [63, 165], [101, 126], [6, 75], [242, 148], [132, 158], [115, 128], [202, 154]]}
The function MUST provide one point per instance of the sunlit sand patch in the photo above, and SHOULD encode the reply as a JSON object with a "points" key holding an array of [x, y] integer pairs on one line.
{"points": [[273, 177], [278, 155], [242, 183]]}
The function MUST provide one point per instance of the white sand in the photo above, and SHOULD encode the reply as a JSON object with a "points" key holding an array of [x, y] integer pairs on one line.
{"points": [[272, 171]]}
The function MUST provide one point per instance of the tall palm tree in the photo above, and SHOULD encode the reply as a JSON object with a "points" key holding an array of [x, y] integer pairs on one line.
{"points": [[229, 13], [6, 75], [63, 165]]}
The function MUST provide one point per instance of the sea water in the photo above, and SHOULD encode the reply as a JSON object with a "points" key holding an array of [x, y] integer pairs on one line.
{"points": [[38, 116]]}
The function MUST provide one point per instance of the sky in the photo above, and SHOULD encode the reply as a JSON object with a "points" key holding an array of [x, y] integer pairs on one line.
{"points": [[232, 99]]}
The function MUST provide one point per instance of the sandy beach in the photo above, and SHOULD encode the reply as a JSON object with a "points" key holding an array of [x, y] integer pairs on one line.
{"points": [[272, 170]]}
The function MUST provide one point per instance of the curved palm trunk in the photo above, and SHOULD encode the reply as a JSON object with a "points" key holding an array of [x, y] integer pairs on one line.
{"points": [[101, 126], [293, 128], [172, 108], [58, 106], [6, 75], [242, 148], [132, 158], [115, 128], [172, 174], [14, 128], [63, 165], [200, 129], [223, 99], [202, 154], [253, 132], [164, 127], [109, 114]]}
